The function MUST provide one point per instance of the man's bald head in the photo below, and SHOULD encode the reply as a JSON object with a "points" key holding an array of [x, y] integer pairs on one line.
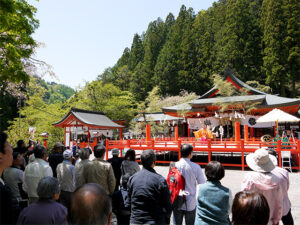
{"points": [[91, 205]]}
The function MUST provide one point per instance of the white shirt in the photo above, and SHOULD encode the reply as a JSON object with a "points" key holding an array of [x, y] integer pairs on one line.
{"points": [[13, 176], [193, 176], [33, 173]]}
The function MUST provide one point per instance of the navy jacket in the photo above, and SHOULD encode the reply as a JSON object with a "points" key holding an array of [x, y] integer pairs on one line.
{"points": [[119, 206], [148, 198], [44, 212]]}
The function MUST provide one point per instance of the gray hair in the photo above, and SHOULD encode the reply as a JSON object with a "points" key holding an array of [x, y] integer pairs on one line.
{"points": [[47, 188], [84, 153]]}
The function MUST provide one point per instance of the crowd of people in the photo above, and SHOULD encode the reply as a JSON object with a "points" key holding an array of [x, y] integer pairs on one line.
{"points": [[66, 187]]}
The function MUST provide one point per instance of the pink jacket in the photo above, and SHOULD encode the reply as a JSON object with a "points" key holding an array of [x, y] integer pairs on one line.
{"points": [[269, 185], [283, 174]]}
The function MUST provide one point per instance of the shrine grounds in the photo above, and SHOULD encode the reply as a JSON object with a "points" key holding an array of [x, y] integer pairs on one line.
{"points": [[233, 179]]}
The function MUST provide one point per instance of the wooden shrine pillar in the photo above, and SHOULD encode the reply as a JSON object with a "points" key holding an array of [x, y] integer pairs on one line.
{"points": [[237, 131], [252, 132], [188, 130], [176, 133], [121, 133], [148, 132], [246, 133]]}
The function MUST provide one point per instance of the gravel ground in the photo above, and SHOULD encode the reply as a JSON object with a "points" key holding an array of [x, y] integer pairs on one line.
{"points": [[233, 180]]}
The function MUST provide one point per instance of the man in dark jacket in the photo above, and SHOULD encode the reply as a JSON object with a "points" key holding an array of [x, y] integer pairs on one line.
{"points": [[56, 157], [116, 163], [148, 194]]}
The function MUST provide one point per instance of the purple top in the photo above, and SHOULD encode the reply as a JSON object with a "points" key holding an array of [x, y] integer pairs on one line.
{"points": [[44, 212]]}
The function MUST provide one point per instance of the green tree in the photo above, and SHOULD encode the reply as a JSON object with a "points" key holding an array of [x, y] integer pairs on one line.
{"points": [[292, 40], [136, 52], [96, 96], [168, 62], [242, 39], [274, 49], [36, 113], [17, 24]]}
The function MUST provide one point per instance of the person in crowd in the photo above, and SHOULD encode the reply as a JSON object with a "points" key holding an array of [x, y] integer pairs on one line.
{"points": [[22, 149], [75, 148], [8, 205], [193, 176], [29, 152], [91, 206], [119, 202], [13, 176], [129, 165], [46, 210], [116, 163], [20, 146], [283, 174], [84, 154], [66, 178], [148, 194], [250, 208], [99, 171], [263, 181], [56, 157], [214, 200], [35, 171]]}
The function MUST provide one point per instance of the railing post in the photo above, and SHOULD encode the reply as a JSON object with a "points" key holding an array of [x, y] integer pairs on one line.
{"points": [[209, 149], [179, 146], [298, 151], [246, 133], [152, 144], [176, 133], [279, 152], [106, 146], [128, 143], [242, 150]]}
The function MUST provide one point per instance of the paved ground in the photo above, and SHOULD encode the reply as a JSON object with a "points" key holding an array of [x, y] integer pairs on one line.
{"points": [[233, 180]]}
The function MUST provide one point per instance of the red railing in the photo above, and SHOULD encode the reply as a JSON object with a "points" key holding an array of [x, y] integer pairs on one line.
{"points": [[211, 146]]}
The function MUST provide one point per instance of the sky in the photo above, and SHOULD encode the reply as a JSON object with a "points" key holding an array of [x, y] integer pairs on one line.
{"points": [[83, 37]]}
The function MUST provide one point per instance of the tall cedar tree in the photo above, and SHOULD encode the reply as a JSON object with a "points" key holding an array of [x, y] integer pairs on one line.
{"points": [[274, 48]]}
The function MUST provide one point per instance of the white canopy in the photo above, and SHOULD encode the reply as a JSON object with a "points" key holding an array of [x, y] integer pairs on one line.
{"points": [[277, 115]]}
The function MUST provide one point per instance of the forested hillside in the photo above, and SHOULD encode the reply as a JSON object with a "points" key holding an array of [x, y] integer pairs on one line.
{"points": [[53, 93], [258, 39]]}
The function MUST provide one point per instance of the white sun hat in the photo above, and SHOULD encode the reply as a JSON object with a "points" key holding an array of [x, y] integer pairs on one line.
{"points": [[261, 161]]}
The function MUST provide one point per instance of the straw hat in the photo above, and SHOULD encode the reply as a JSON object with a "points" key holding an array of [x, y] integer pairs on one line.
{"points": [[261, 161]]}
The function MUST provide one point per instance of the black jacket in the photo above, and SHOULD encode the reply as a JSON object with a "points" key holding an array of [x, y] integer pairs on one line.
{"points": [[116, 163], [8, 206], [55, 159], [148, 198]]}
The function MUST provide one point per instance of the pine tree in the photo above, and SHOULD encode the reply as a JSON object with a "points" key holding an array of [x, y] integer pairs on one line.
{"points": [[136, 52], [292, 40], [242, 38], [274, 50]]}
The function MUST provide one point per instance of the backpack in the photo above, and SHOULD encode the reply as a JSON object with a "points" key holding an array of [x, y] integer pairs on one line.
{"points": [[176, 182]]}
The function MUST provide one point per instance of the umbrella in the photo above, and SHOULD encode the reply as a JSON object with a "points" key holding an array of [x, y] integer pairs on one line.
{"points": [[277, 115]]}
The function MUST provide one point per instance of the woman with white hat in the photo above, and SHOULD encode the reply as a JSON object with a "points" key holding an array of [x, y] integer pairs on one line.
{"points": [[263, 181]]}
